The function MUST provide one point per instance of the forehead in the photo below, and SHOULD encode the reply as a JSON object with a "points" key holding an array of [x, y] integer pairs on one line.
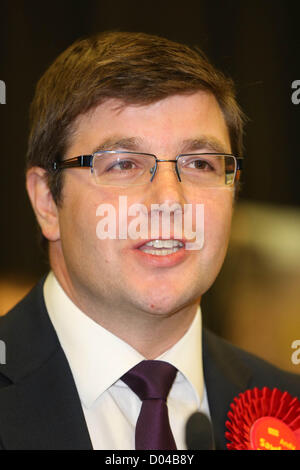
{"points": [[165, 124]]}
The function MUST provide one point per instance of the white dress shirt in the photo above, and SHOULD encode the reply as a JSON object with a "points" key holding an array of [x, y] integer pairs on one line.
{"points": [[98, 359]]}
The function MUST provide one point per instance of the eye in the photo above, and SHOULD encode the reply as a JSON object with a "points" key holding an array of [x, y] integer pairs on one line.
{"points": [[200, 164], [122, 165]]}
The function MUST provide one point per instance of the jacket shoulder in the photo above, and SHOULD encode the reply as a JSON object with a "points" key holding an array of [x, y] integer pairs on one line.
{"points": [[28, 335], [262, 372], [33, 300]]}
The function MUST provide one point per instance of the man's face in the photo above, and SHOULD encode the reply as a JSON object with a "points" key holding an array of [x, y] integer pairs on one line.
{"points": [[115, 273]]}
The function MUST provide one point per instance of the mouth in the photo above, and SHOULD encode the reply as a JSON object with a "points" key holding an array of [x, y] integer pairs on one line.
{"points": [[161, 247]]}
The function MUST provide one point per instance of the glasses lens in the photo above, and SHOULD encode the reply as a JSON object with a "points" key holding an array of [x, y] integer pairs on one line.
{"points": [[122, 168], [207, 170]]}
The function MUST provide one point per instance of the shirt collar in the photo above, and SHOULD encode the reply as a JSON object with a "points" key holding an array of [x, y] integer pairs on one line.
{"points": [[186, 356], [98, 358]]}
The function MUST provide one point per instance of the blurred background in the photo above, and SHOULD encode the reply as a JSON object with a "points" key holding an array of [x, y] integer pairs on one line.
{"points": [[255, 302]]}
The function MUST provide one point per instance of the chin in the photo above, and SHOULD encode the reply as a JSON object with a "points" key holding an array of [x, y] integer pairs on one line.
{"points": [[166, 302]]}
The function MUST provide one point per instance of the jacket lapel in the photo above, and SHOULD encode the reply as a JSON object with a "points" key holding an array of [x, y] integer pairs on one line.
{"points": [[225, 377], [39, 405], [43, 411]]}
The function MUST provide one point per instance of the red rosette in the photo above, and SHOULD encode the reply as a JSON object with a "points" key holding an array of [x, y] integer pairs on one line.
{"points": [[264, 420]]}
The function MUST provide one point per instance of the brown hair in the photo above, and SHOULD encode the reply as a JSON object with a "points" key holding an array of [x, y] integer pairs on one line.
{"points": [[136, 68]]}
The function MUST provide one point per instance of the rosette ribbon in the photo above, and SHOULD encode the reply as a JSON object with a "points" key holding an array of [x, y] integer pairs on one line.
{"points": [[264, 419]]}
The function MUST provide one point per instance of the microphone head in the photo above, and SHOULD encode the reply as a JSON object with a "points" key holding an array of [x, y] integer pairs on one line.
{"points": [[199, 434]]}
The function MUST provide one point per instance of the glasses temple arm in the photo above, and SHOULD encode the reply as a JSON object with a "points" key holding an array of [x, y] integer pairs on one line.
{"points": [[81, 161]]}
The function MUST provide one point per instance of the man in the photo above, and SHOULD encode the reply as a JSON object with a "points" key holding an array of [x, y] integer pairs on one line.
{"points": [[139, 117]]}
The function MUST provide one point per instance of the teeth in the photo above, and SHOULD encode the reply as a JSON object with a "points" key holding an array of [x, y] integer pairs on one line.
{"points": [[159, 252], [162, 247], [164, 243]]}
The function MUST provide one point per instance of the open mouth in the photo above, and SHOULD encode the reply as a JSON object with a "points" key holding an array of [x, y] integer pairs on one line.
{"points": [[161, 247]]}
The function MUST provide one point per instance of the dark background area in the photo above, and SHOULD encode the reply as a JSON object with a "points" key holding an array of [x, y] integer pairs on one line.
{"points": [[255, 42]]}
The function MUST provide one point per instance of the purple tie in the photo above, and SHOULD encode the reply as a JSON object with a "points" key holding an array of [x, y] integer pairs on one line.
{"points": [[151, 381]]}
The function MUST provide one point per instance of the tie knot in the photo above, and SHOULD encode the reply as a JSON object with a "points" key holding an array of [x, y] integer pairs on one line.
{"points": [[151, 379]]}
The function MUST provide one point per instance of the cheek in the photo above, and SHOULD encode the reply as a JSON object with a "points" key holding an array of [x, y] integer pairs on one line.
{"points": [[78, 220], [81, 200], [217, 223]]}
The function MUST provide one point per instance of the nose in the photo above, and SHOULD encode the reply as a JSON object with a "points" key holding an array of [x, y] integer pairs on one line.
{"points": [[155, 169], [165, 186]]}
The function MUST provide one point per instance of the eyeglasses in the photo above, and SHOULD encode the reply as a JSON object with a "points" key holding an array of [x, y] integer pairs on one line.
{"points": [[121, 168]]}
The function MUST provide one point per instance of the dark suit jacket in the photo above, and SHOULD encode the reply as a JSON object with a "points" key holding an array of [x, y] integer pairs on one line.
{"points": [[39, 403]]}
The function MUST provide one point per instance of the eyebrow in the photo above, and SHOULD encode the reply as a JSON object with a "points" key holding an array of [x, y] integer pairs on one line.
{"points": [[116, 143], [135, 144], [207, 143]]}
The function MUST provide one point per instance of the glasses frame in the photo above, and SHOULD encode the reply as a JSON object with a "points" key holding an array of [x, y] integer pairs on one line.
{"points": [[86, 161]]}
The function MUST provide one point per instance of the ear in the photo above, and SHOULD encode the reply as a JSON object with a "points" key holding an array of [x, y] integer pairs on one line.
{"points": [[42, 202]]}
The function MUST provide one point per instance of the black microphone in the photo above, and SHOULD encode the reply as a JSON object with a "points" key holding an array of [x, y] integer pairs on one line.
{"points": [[198, 433]]}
